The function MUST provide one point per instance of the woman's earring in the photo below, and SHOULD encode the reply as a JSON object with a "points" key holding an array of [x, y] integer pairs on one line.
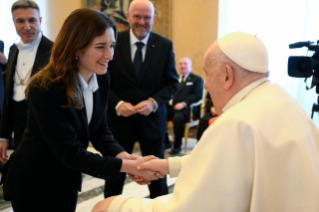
{"points": [[76, 57]]}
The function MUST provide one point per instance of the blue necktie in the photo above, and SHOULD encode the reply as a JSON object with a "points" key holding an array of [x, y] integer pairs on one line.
{"points": [[138, 60]]}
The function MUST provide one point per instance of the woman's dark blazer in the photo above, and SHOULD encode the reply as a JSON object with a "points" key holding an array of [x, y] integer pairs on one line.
{"points": [[53, 149]]}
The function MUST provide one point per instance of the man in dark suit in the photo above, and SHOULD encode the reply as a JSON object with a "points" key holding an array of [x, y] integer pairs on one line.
{"points": [[3, 62], [190, 91], [209, 113], [25, 59], [143, 80]]}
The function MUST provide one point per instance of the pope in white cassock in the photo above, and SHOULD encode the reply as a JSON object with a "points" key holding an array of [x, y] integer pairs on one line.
{"points": [[260, 155]]}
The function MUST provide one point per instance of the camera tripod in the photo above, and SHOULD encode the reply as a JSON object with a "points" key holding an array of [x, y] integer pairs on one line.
{"points": [[315, 108]]}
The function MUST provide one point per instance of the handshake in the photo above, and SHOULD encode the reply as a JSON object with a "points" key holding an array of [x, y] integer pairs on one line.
{"points": [[143, 170]]}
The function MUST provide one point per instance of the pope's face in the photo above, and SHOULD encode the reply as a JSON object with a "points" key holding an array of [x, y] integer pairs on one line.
{"points": [[213, 82]]}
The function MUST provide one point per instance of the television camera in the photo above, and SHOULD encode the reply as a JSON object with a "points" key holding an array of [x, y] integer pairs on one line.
{"points": [[305, 67]]}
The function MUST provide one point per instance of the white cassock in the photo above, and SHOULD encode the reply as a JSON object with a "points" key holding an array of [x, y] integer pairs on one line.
{"points": [[260, 155]]}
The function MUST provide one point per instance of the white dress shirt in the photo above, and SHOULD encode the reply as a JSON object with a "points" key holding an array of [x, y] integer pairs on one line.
{"points": [[26, 58], [182, 78], [88, 90], [133, 41]]}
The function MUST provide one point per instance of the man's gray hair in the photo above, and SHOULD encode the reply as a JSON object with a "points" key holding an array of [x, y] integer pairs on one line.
{"points": [[191, 62], [24, 4]]}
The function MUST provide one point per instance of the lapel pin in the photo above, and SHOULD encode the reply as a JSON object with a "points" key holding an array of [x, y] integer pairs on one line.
{"points": [[153, 45]]}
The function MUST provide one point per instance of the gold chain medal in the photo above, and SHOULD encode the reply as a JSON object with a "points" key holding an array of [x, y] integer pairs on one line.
{"points": [[21, 78]]}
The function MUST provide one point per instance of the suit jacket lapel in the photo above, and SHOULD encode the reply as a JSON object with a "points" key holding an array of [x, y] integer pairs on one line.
{"points": [[189, 78], [183, 84], [39, 56], [149, 55], [11, 70], [84, 120], [96, 110], [125, 48], [1, 46]]}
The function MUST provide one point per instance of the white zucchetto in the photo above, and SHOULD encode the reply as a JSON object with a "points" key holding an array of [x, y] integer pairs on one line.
{"points": [[246, 50]]}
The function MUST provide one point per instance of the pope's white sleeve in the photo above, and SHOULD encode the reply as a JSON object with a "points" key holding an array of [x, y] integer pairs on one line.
{"points": [[125, 204], [175, 165], [117, 203]]}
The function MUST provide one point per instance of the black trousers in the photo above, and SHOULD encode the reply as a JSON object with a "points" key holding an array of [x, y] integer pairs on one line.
{"points": [[203, 125], [148, 147], [20, 121], [1, 164], [63, 201], [179, 117]]}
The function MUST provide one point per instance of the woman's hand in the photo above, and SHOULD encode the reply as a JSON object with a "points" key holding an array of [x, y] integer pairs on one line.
{"points": [[158, 165], [129, 166], [127, 156], [148, 175]]}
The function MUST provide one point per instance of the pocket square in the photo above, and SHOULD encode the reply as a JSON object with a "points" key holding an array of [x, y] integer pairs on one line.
{"points": [[189, 83]]}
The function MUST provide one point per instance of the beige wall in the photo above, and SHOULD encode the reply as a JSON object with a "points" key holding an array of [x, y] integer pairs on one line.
{"points": [[194, 29], [58, 11], [193, 25]]}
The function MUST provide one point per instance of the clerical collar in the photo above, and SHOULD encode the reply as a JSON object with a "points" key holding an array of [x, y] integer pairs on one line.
{"points": [[33, 44], [133, 39], [243, 93], [93, 85]]}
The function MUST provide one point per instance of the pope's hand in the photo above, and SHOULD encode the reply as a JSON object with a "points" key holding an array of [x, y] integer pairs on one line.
{"points": [[156, 165], [147, 175]]}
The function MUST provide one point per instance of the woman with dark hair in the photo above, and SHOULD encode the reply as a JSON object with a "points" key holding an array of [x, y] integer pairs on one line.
{"points": [[67, 109]]}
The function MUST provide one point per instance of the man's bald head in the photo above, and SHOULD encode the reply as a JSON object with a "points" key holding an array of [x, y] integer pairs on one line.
{"points": [[141, 17], [142, 3]]}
